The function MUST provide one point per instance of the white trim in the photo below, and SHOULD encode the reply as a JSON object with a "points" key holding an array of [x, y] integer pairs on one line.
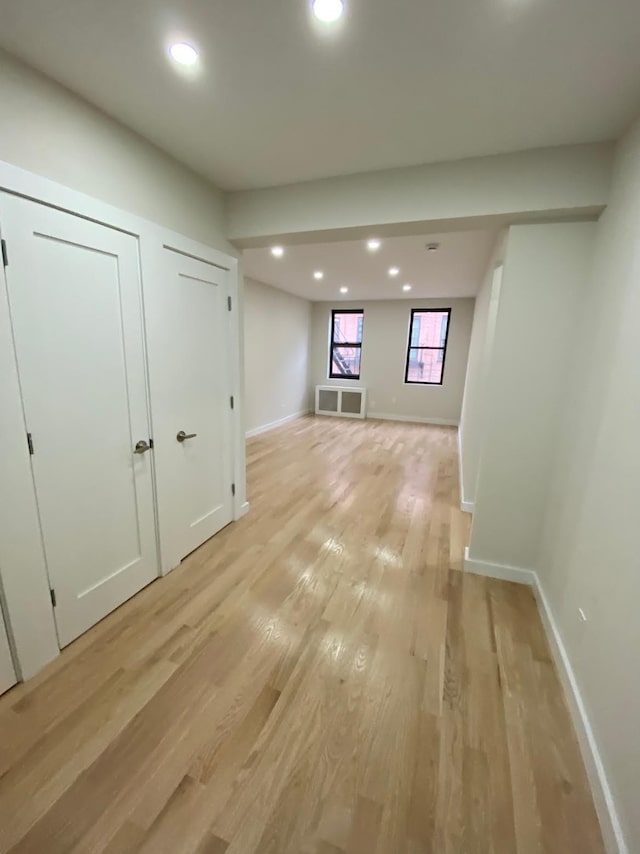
{"points": [[600, 789], [273, 424], [465, 506], [413, 419], [244, 509], [20, 182], [498, 570], [153, 257], [340, 390], [602, 796]]}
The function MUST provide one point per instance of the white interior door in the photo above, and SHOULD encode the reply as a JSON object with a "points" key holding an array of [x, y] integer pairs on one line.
{"points": [[191, 385], [7, 672], [75, 300]]}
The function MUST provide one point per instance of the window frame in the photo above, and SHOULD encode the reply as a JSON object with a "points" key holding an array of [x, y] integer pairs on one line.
{"points": [[333, 343], [410, 347]]}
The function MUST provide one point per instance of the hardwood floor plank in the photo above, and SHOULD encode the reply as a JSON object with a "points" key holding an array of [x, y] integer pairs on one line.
{"points": [[127, 840], [424, 785], [31, 787], [319, 678], [212, 845]]}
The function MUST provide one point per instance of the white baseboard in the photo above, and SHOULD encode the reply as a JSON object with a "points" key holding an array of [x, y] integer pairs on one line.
{"points": [[466, 506], [602, 796], [244, 509], [413, 419], [273, 424], [499, 570]]}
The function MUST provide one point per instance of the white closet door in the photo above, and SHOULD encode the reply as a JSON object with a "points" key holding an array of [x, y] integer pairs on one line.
{"points": [[7, 673], [190, 377], [75, 300]]}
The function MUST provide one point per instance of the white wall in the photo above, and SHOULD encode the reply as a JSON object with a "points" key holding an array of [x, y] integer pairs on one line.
{"points": [[529, 183], [384, 351], [545, 272], [482, 335], [55, 134], [277, 329], [589, 555]]}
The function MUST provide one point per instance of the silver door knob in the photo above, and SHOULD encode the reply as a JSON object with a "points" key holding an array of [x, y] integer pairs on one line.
{"points": [[142, 447], [182, 436]]}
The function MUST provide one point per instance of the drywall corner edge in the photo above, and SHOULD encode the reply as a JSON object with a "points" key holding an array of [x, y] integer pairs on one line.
{"points": [[465, 506], [564, 180], [501, 571], [412, 419], [273, 424]]}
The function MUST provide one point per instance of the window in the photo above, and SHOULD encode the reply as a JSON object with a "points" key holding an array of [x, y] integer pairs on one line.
{"points": [[346, 344], [427, 345]]}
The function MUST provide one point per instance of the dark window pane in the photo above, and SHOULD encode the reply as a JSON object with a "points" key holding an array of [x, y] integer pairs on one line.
{"points": [[346, 329], [427, 346], [345, 361], [347, 326], [415, 330], [425, 366], [429, 328]]}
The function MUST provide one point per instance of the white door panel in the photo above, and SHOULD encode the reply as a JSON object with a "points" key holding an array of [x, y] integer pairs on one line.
{"points": [[75, 298], [191, 385], [7, 672]]}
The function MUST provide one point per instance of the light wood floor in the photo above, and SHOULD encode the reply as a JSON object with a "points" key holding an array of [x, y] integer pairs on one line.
{"points": [[320, 677]]}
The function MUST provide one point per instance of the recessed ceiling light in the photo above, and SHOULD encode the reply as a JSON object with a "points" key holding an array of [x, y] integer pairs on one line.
{"points": [[344, 290], [433, 247], [277, 251], [394, 271], [373, 245], [406, 287], [183, 53], [318, 275], [328, 10]]}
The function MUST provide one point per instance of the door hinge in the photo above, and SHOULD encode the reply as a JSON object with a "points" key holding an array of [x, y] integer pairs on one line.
{"points": [[233, 489], [5, 254], [30, 443], [54, 601], [228, 298], [233, 403]]}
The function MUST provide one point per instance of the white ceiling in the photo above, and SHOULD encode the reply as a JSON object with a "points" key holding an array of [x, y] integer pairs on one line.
{"points": [[397, 82], [455, 270]]}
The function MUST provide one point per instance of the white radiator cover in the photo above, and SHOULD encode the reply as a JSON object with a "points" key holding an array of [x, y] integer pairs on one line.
{"points": [[345, 401]]}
